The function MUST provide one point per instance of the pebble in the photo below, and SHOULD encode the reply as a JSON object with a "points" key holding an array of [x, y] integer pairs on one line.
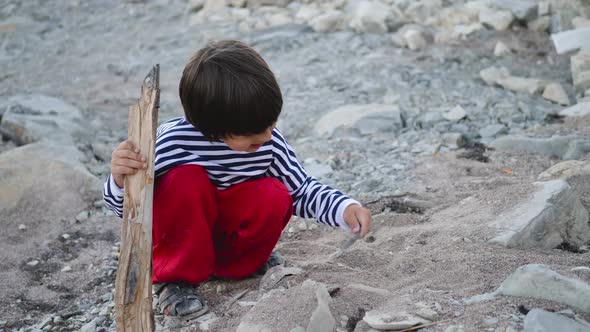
{"points": [[66, 268], [65, 236], [302, 226], [33, 263], [90, 327], [82, 216], [22, 227], [501, 49], [220, 288], [312, 226]]}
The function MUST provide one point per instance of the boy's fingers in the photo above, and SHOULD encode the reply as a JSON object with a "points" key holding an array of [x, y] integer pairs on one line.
{"points": [[130, 163], [124, 170], [129, 155], [128, 145], [364, 219]]}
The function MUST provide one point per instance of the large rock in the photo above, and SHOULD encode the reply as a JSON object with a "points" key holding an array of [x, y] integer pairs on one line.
{"points": [[580, 67], [564, 147], [580, 109], [370, 16], [366, 119], [308, 305], [538, 281], [565, 170], [539, 320], [551, 216], [47, 178], [30, 118]]}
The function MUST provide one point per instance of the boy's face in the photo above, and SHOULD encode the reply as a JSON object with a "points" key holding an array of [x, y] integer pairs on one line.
{"points": [[249, 143]]}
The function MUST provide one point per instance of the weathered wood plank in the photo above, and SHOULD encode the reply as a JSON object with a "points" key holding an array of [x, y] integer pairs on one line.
{"points": [[133, 287]]}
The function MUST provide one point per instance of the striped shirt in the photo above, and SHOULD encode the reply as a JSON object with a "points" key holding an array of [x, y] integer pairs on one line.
{"points": [[179, 143]]}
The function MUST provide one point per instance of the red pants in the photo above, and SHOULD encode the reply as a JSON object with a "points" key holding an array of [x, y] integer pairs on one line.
{"points": [[199, 231]]}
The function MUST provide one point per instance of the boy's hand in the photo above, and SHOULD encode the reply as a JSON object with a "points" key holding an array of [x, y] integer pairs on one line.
{"points": [[126, 160], [358, 219]]}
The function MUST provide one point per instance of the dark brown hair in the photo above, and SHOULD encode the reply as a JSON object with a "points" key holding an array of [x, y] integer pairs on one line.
{"points": [[228, 89]]}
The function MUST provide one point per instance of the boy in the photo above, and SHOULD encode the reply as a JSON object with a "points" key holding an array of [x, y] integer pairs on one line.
{"points": [[227, 182]]}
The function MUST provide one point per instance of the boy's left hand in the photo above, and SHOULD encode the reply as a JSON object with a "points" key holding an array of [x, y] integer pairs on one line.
{"points": [[358, 219]]}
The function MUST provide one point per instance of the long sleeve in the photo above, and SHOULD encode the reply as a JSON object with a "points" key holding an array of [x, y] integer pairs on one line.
{"points": [[113, 196], [311, 199]]}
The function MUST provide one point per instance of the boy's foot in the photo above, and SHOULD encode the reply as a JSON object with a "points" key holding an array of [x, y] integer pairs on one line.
{"points": [[275, 259], [179, 301]]}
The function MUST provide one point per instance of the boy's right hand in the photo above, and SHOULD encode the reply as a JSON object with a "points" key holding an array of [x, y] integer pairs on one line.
{"points": [[126, 160]]}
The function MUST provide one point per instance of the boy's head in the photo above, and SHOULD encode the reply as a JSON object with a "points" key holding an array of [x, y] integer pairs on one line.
{"points": [[227, 90]]}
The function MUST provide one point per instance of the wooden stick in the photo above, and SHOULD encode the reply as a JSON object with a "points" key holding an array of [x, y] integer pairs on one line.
{"points": [[133, 287]]}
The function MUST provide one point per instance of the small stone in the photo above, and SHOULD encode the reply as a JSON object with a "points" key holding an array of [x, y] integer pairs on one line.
{"points": [[312, 226], [493, 130], [65, 236], [330, 21], [220, 288], [279, 19], [540, 24], [522, 84], [33, 263], [580, 109], [455, 114], [107, 297], [82, 216], [501, 49], [45, 322], [57, 319], [555, 93], [369, 16], [415, 39], [22, 227], [393, 321], [580, 22], [302, 226], [492, 75], [66, 268], [544, 8], [90, 327], [454, 328], [497, 19], [454, 140], [104, 311], [580, 68], [490, 321], [247, 303]]}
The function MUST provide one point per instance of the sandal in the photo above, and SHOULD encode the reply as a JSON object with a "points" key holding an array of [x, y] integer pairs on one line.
{"points": [[275, 259], [179, 301]]}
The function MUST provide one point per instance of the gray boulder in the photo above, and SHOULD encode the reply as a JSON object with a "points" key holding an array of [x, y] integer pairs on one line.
{"points": [[551, 216], [539, 320], [47, 178], [30, 118], [309, 305], [538, 281], [564, 147], [365, 119]]}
